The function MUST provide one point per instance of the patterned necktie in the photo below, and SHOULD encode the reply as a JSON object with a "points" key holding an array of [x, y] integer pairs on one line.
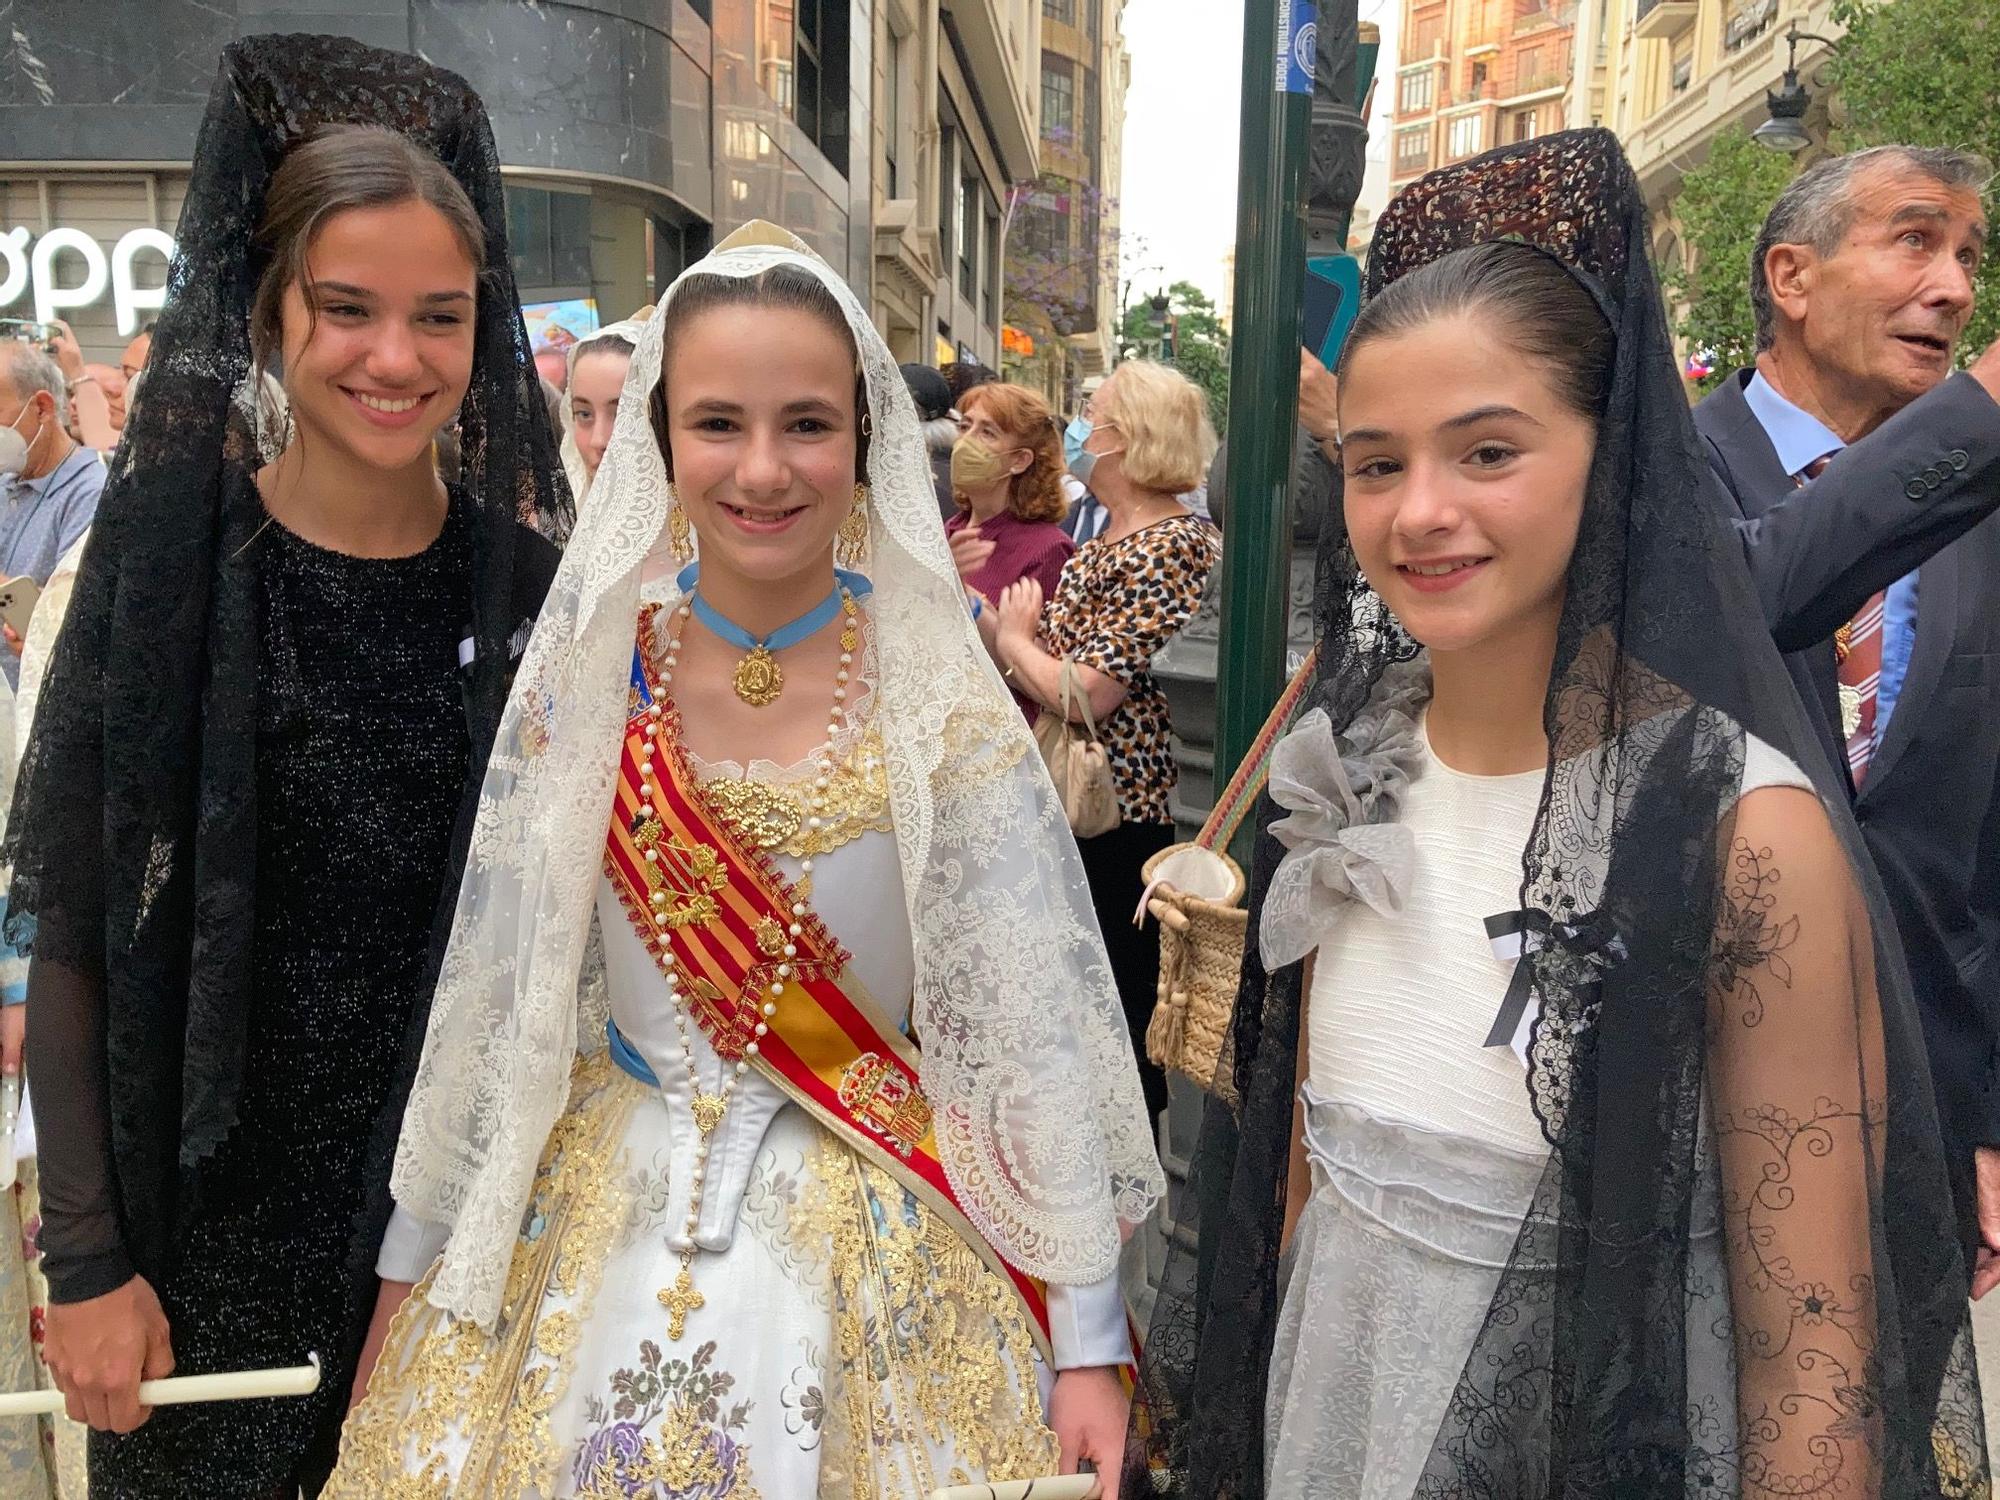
{"points": [[1857, 655]]}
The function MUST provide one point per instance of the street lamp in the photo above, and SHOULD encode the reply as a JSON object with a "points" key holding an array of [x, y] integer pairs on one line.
{"points": [[1786, 129]]}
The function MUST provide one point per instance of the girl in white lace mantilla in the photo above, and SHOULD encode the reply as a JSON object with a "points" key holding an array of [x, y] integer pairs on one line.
{"points": [[708, 1259]]}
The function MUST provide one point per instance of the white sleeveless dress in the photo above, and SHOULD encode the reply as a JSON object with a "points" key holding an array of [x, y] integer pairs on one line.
{"points": [[1424, 1149]]}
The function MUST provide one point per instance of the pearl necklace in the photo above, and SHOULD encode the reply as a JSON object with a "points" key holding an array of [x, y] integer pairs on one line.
{"points": [[709, 1109]]}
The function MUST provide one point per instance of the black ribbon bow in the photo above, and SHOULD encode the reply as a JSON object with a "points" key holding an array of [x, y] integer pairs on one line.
{"points": [[1594, 936]]}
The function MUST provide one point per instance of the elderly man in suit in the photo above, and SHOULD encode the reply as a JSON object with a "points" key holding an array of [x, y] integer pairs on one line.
{"points": [[1865, 476]]}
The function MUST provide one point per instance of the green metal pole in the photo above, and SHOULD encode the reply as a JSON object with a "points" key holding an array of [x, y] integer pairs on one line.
{"points": [[1263, 383]]}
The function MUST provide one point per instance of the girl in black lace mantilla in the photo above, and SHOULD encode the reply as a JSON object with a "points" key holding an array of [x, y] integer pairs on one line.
{"points": [[1656, 1210], [244, 809]]}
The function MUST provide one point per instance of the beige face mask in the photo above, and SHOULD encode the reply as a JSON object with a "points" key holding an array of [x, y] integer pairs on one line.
{"points": [[974, 465]]}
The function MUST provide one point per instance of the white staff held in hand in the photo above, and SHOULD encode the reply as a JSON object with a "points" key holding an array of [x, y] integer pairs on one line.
{"points": [[180, 1390], [1067, 1487]]}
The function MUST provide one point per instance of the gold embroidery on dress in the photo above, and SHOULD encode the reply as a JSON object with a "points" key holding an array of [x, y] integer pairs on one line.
{"points": [[931, 1349], [979, 743], [439, 1379], [772, 815]]}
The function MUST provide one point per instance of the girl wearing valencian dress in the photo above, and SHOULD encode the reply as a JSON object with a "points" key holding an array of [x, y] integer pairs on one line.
{"points": [[1614, 1169], [830, 1203], [250, 780]]}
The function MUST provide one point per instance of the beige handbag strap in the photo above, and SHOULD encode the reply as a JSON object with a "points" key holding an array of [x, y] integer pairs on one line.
{"points": [[1071, 687]]}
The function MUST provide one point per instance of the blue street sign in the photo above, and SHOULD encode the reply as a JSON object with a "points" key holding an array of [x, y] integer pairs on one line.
{"points": [[1298, 46]]}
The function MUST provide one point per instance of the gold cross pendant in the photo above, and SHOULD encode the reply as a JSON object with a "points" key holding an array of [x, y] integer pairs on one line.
{"points": [[679, 1300]]}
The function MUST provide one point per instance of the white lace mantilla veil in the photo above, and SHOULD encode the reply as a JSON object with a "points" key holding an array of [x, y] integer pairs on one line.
{"points": [[1026, 1059], [579, 477]]}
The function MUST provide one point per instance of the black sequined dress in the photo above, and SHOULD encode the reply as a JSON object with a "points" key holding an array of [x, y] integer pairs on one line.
{"points": [[361, 766]]}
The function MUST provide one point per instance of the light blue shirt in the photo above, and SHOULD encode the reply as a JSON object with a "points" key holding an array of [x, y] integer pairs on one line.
{"points": [[40, 520], [1800, 438]]}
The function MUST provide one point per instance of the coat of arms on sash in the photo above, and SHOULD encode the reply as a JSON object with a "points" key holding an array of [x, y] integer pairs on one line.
{"points": [[880, 1099]]}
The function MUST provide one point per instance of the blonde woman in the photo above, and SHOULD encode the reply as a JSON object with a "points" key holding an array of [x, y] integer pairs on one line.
{"points": [[1120, 600]]}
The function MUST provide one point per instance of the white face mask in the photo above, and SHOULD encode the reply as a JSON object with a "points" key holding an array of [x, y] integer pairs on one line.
{"points": [[13, 447]]}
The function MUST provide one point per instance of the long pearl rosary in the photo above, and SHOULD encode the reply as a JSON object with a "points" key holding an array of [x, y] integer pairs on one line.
{"points": [[709, 1109]]}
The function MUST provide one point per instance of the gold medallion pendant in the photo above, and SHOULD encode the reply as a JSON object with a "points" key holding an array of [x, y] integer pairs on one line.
{"points": [[758, 678]]}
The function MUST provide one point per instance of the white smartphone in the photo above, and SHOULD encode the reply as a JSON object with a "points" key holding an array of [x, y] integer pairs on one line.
{"points": [[18, 597]]}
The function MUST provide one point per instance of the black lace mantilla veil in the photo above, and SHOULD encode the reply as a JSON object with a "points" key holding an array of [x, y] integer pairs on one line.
{"points": [[1581, 1380], [133, 838]]}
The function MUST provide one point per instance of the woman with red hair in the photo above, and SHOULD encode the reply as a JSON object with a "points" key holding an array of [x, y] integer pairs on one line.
{"points": [[1006, 474]]}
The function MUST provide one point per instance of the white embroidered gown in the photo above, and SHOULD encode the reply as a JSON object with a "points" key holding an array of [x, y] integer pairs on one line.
{"points": [[849, 1342]]}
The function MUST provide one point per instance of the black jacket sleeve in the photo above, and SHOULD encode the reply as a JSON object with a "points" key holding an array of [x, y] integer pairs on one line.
{"points": [[1981, 966], [1913, 486]]}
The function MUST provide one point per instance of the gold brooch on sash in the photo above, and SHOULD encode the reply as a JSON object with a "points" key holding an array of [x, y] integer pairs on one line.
{"points": [[684, 878]]}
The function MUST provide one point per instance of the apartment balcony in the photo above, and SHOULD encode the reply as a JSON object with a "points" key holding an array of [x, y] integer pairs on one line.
{"points": [[1662, 20], [1537, 85]]}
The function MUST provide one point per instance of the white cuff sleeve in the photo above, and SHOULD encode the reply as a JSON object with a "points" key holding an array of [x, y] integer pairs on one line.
{"points": [[410, 1246], [1087, 1325]]}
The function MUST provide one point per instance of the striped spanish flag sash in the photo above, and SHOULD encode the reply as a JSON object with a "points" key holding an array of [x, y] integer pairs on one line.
{"points": [[765, 979]]}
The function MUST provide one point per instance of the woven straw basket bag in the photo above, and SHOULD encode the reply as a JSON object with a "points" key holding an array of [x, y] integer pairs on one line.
{"points": [[1195, 892]]}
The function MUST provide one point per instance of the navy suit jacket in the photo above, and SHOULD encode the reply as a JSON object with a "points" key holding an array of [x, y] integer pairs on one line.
{"points": [[1920, 491]]}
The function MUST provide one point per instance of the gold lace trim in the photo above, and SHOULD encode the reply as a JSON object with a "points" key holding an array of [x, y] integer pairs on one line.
{"points": [[775, 815], [439, 1378]]}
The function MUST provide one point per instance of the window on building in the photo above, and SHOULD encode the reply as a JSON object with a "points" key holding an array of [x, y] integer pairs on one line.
{"points": [[820, 84], [548, 234], [1042, 235], [971, 235], [1060, 10], [1058, 98], [947, 180], [893, 152], [1415, 96], [1428, 33], [1525, 126], [989, 284], [1092, 132], [1466, 136], [1413, 149], [772, 21], [1090, 10], [1478, 78], [1527, 68], [1681, 71]]}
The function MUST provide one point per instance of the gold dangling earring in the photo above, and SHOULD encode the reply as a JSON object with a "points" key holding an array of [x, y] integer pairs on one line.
{"points": [[680, 531], [851, 541]]}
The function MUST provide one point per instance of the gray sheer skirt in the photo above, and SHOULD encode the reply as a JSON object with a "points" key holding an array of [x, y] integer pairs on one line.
{"points": [[1391, 1274]]}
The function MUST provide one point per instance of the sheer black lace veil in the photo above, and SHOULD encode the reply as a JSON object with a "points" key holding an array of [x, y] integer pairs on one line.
{"points": [[134, 832], [1733, 1077]]}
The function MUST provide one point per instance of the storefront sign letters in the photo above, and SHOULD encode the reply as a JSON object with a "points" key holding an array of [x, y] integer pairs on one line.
{"points": [[22, 268]]}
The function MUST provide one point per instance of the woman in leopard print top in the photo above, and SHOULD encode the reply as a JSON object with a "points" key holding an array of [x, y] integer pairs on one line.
{"points": [[1119, 601]]}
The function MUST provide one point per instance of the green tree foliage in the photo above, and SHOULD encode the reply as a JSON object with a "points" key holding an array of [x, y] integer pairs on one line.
{"points": [[1919, 72], [1192, 341], [1721, 206], [1927, 73]]}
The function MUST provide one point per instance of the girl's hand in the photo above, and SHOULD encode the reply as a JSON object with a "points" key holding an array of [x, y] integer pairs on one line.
{"points": [[1088, 1411]]}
